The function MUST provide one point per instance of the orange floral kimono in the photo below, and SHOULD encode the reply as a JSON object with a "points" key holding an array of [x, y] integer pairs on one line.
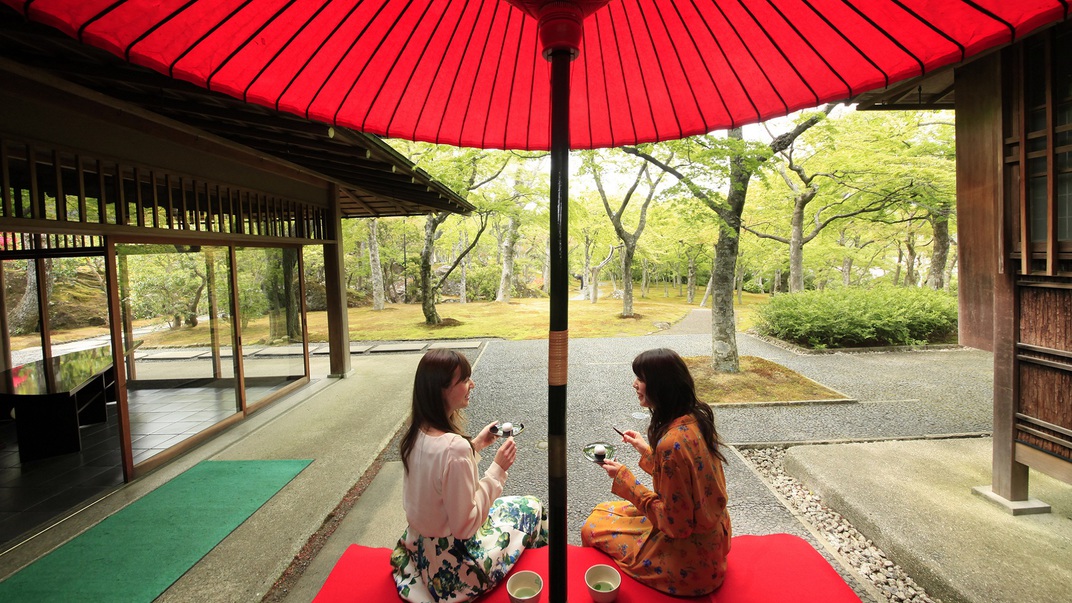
{"points": [[676, 538]]}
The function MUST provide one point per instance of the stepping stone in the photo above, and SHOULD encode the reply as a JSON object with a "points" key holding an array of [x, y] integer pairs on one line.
{"points": [[177, 354], [283, 350], [322, 350], [357, 348], [455, 345], [400, 347]]}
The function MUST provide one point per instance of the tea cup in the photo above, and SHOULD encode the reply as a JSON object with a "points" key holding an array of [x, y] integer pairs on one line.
{"points": [[524, 587], [603, 583]]}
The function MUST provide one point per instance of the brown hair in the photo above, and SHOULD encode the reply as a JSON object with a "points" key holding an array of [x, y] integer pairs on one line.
{"points": [[671, 393], [435, 372]]}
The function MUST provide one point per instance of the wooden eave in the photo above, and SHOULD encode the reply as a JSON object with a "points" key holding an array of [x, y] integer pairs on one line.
{"points": [[373, 179], [929, 92]]}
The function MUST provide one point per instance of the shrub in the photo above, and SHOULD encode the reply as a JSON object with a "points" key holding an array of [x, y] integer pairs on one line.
{"points": [[850, 317]]}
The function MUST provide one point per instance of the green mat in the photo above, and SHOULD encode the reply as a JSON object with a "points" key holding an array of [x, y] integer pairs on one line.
{"points": [[137, 553]]}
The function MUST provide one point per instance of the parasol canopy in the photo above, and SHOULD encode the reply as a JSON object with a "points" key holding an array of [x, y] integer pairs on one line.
{"points": [[470, 73], [473, 73]]}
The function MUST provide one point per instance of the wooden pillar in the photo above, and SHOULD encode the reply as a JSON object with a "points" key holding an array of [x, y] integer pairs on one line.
{"points": [[986, 239], [128, 325], [5, 335], [115, 323], [335, 283]]}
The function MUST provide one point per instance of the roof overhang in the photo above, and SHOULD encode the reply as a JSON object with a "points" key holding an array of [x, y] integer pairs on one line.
{"points": [[373, 179], [932, 91]]}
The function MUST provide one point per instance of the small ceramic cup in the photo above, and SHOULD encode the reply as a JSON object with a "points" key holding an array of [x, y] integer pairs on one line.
{"points": [[524, 587], [603, 583]]}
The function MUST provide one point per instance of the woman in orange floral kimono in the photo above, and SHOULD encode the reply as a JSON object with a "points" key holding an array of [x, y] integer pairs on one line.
{"points": [[674, 538]]}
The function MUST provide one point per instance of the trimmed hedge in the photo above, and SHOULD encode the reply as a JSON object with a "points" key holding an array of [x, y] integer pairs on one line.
{"points": [[851, 317]]}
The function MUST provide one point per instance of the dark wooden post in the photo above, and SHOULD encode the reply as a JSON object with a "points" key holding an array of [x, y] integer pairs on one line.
{"points": [[558, 337], [335, 283]]}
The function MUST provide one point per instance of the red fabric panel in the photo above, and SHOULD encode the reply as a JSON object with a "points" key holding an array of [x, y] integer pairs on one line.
{"points": [[762, 569], [780, 567], [471, 74]]}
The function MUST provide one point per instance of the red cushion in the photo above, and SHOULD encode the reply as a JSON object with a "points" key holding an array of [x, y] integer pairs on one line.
{"points": [[761, 569], [780, 567]]}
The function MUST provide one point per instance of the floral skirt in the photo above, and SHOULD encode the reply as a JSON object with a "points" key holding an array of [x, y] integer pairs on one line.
{"points": [[434, 570]]}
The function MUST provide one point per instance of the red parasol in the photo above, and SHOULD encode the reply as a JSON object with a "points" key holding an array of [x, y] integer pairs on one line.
{"points": [[470, 73]]}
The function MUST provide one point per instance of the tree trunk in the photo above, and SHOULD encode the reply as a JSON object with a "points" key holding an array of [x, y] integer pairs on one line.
{"points": [[897, 272], [846, 270], [428, 292], [509, 248], [949, 270], [910, 264], [593, 279], [691, 282], [740, 288], [644, 278], [375, 269], [710, 284], [796, 249], [547, 268], [724, 357], [463, 293], [777, 284], [936, 278], [627, 281], [25, 317]]}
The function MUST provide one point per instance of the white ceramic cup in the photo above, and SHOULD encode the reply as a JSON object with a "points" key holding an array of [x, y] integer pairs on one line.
{"points": [[524, 587], [603, 583]]}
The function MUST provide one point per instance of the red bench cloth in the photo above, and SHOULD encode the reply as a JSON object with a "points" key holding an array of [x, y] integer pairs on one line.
{"points": [[762, 569]]}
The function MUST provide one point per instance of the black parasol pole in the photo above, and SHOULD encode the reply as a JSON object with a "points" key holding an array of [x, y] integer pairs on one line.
{"points": [[558, 338]]}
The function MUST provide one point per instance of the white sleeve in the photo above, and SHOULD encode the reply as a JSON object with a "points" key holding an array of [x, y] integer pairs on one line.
{"points": [[467, 500]]}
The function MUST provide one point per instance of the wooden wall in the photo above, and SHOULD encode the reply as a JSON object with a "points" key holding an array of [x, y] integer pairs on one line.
{"points": [[978, 107]]}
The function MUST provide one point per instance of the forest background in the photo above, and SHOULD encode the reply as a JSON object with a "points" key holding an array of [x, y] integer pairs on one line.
{"points": [[829, 199]]}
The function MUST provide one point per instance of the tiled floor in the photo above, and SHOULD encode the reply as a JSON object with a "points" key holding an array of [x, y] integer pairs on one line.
{"points": [[37, 493]]}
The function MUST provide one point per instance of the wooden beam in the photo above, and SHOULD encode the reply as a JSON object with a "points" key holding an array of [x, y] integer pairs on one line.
{"points": [[1046, 463]]}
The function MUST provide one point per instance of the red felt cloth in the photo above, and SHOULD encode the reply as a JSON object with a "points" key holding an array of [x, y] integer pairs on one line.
{"points": [[762, 569]]}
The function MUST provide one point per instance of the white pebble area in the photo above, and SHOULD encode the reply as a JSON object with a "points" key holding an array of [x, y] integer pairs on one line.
{"points": [[867, 560]]}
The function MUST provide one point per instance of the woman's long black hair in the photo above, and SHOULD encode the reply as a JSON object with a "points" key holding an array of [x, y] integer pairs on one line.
{"points": [[671, 393], [435, 372]]}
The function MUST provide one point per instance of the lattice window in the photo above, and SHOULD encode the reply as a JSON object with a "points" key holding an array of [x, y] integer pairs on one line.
{"points": [[1038, 152], [42, 183]]}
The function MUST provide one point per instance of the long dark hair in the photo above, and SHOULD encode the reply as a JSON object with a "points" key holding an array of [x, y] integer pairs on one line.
{"points": [[671, 393], [435, 372]]}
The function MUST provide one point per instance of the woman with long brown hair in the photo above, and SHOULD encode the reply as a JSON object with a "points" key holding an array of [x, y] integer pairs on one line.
{"points": [[462, 538], [675, 536]]}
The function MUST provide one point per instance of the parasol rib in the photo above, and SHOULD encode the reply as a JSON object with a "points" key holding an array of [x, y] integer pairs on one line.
{"points": [[895, 41], [778, 47], [368, 63], [439, 69], [859, 51], [283, 48], [252, 36], [454, 81], [390, 70], [736, 32], [789, 22]]}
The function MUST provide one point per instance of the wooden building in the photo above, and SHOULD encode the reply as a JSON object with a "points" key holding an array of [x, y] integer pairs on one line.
{"points": [[102, 159], [1014, 210]]}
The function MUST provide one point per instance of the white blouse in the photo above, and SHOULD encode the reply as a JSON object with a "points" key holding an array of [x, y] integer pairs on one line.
{"points": [[441, 493]]}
